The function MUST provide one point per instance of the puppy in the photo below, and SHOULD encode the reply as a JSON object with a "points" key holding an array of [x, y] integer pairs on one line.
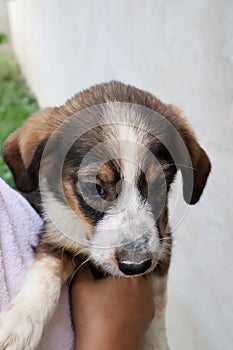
{"points": [[99, 171]]}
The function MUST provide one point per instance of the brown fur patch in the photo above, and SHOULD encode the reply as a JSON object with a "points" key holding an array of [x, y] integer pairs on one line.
{"points": [[152, 173], [73, 203], [162, 222], [106, 174]]}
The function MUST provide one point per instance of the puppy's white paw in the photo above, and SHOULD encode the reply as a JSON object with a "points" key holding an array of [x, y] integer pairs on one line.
{"points": [[18, 329]]}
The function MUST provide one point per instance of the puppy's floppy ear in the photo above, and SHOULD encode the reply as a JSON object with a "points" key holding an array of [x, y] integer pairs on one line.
{"points": [[13, 158], [23, 149], [194, 175], [201, 169]]}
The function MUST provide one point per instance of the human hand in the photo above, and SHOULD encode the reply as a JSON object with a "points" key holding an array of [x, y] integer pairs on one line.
{"points": [[110, 313]]}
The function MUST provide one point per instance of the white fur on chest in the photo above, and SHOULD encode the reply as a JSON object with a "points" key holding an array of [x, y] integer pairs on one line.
{"points": [[156, 338]]}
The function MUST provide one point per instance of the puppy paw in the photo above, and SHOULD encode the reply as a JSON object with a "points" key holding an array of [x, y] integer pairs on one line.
{"points": [[19, 330]]}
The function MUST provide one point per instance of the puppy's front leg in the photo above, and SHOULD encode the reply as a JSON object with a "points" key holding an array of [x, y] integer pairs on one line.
{"points": [[23, 321], [156, 338]]}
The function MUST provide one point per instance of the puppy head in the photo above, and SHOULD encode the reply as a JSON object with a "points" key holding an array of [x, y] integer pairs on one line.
{"points": [[114, 175]]}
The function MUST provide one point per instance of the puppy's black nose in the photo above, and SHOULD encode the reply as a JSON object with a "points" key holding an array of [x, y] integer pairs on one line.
{"points": [[131, 268]]}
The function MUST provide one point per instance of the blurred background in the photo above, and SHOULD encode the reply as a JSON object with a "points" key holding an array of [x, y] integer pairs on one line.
{"points": [[181, 51]]}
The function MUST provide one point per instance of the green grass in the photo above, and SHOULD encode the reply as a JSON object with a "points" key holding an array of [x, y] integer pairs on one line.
{"points": [[16, 103]]}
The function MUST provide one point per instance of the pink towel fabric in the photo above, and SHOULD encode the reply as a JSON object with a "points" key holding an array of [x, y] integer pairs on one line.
{"points": [[19, 228]]}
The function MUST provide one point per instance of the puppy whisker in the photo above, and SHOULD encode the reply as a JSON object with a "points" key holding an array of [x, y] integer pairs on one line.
{"points": [[81, 251], [179, 165], [78, 268]]}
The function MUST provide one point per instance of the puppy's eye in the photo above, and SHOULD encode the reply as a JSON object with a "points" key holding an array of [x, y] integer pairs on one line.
{"points": [[102, 192], [94, 190]]}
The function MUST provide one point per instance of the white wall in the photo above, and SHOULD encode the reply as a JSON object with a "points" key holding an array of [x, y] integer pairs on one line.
{"points": [[182, 51], [4, 28]]}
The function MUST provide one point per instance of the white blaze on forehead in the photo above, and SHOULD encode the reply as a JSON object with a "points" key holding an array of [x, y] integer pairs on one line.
{"points": [[126, 126], [129, 152]]}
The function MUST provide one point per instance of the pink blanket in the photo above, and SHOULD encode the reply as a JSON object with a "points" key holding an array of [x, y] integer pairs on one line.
{"points": [[19, 228]]}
